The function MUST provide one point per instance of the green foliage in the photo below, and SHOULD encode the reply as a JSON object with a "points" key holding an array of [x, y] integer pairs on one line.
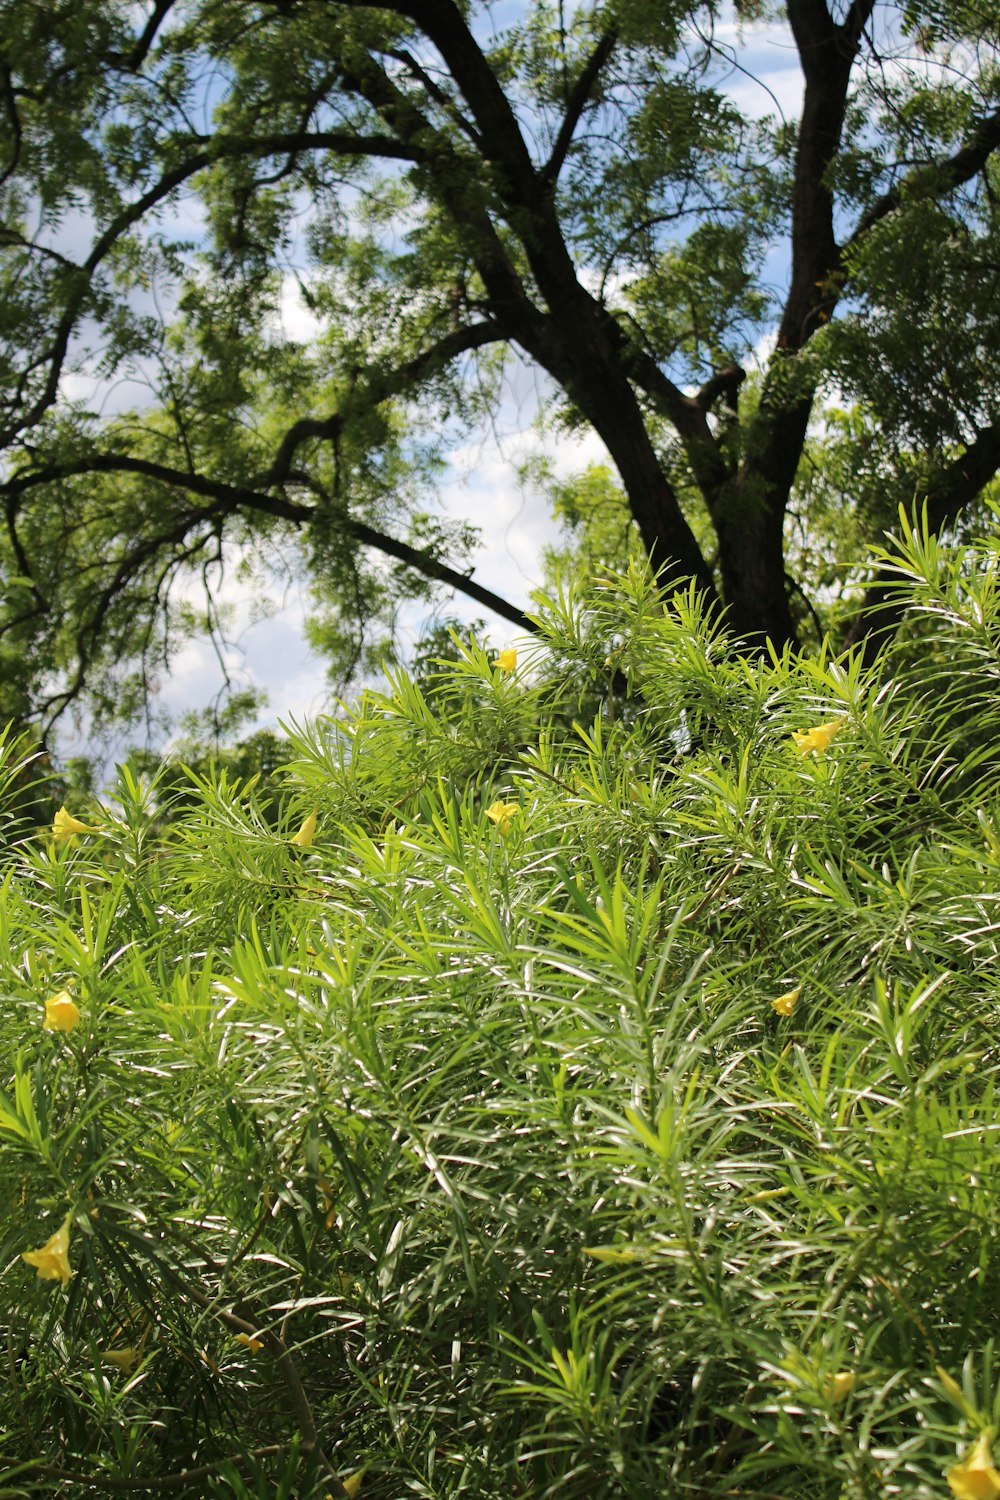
{"points": [[455, 1134], [262, 266]]}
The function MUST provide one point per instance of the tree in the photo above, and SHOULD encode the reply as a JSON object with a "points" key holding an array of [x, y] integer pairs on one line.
{"points": [[576, 190]]}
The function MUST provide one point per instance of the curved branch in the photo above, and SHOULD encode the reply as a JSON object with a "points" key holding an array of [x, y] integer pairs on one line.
{"points": [[218, 148], [134, 60], [380, 386], [936, 178], [230, 500]]}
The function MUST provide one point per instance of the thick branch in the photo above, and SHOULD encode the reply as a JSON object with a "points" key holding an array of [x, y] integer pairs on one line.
{"points": [[724, 383], [936, 178], [827, 53], [143, 44], [689, 416]]}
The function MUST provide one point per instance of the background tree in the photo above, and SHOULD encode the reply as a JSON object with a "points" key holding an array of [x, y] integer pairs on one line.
{"points": [[578, 191]]}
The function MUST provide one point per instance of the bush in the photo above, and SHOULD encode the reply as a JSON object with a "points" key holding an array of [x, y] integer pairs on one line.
{"points": [[569, 1109]]}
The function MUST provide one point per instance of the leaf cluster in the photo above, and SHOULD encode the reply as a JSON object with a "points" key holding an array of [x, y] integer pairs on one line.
{"points": [[469, 1147]]}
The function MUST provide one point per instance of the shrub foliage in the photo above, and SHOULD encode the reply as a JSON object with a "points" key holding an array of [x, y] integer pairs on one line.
{"points": [[597, 1098]]}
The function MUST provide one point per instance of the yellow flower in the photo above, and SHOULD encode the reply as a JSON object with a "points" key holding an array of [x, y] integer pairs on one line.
{"points": [[502, 814], [250, 1343], [352, 1484], [64, 825], [123, 1359], [838, 1387], [975, 1478], [52, 1260], [817, 739], [507, 660], [785, 1004], [61, 1014], [304, 837]]}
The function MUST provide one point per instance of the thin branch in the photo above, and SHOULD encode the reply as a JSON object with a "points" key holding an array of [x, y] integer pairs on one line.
{"points": [[379, 386], [228, 500], [437, 93], [577, 103], [166, 1482], [218, 148]]}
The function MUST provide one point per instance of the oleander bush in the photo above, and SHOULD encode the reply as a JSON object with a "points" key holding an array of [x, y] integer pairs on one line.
{"points": [[579, 1080]]}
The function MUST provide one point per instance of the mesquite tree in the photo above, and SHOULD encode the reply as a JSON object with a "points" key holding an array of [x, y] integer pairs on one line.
{"points": [[452, 187]]}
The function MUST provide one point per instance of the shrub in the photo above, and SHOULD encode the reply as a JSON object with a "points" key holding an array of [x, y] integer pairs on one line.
{"points": [[569, 1109]]}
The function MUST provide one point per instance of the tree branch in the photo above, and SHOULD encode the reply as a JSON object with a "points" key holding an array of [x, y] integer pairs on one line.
{"points": [[935, 178], [948, 494], [577, 102], [134, 60], [689, 416], [218, 148], [435, 92], [230, 500], [380, 386]]}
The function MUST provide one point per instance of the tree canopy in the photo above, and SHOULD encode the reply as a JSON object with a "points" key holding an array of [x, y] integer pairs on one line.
{"points": [[451, 187]]}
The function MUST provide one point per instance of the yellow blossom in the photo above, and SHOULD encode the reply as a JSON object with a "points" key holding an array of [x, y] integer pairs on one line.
{"points": [[507, 660], [502, 814], [52, 1260], [61, 1013], [785, 1004], [817, 739], [64, 826], [122, 1359], [352, 1484], [304, 837], [249, 1342], [975, 1478], [838, 1387]]}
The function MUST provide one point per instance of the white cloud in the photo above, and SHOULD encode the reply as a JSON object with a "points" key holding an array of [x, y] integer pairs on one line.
{"points": [[295, 319]]}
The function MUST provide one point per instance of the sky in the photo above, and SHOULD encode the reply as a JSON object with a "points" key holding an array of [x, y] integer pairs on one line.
{"points": [[481, 484]]}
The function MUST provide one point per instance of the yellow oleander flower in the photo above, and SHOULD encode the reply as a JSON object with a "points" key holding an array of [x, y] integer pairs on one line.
{"points": [[817, 739], [52, 1260], [61, 1013], [122, 1359], [64, 826], [352, 1484], [975, 1478], [785, 1004], [838, 1387], [304, 837], [503, 814], [507, 659], [249, 1342]]}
